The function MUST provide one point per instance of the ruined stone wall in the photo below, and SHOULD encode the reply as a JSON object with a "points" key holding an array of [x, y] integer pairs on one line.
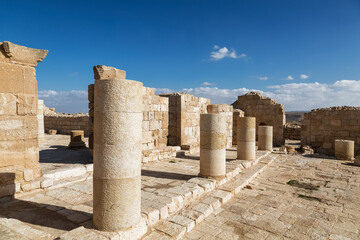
{"points": [[322, 126], [19, 149], [292, 131], [184, 119], [64, 123], [267, 112], [40, 118], [155, 120], [226, 110], [236, 114]]}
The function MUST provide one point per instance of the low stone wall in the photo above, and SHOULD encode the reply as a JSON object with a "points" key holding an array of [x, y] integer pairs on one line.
{"points": [[267, 112], [226, 110], [64, 123], [322, 126], [292, 131]]}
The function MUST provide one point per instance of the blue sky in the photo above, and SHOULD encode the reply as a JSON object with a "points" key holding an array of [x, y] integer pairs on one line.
{"points": [[289, 50]]}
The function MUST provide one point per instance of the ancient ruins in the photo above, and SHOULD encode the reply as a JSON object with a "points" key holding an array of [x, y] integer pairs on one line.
{"points": [[170, 166]]}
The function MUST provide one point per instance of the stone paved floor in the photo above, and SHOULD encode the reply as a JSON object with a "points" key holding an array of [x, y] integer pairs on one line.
{"points": [[296, 197]]}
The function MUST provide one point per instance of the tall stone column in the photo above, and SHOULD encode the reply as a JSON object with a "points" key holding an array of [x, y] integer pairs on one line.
{"points": [[213, 144], [344, 149], [117, 150], [265, 138], [246, 140], [40, 118]]}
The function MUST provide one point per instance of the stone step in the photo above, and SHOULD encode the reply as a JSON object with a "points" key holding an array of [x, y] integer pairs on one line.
{"points": [[187, 218], [12, 229]]}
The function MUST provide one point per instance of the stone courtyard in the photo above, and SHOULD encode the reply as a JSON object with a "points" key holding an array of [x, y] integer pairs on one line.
{"points": [[170, 166]]}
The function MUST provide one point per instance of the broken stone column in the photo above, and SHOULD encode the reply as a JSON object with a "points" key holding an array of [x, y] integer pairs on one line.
{"points": [[77, 139], [344, 149], [246, 140], [265, 138], [213, 136], [40, 118], [117, 150]]}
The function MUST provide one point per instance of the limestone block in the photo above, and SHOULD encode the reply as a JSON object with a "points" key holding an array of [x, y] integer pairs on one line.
{"points": [[102, 72], [246, 139], [344, 149], [8, 104]]}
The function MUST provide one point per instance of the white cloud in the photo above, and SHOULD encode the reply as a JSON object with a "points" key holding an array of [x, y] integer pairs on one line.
{"points": [[294, 96], [263, 78], [208, 84], [223, 53], [304, 76], [289, 78], [73, 101]]}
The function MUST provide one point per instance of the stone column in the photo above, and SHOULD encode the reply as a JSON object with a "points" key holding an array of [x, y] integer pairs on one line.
{"points": [[246, 140], [344, 149], [117, 150], [77, 139], [213, 144], [265, 138], [40, 118]]}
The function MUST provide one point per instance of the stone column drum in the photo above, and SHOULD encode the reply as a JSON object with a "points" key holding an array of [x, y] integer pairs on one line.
{"points": [[246, 138], [77, 139], [344, 149], [213, 138], [117, 150], [265, 138]]}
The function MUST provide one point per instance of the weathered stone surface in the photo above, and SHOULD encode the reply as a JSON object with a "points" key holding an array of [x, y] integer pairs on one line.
{"points": [[102, 72], [23, 55], [246, 139], [344, 149], [265, 138]]}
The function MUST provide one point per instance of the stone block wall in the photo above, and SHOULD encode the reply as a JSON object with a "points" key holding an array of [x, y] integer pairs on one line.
{"points": [[322, 126], [267, 112], [40, 118], [292, 131], [155, 120], [226, 110], [64, 123], [184, 119], [19, 149], [236, 114]]}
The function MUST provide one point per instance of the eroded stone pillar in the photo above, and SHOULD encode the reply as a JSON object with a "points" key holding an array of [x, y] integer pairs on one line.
{"points": [[213, 144], [40, 118], [246, 140], [117, 150], [77, 139], [344, 149], [265, 138]]}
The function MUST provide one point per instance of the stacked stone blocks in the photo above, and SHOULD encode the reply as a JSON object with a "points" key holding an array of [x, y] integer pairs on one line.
{"points": [[321, 127], [19, 149], [227, 111]]}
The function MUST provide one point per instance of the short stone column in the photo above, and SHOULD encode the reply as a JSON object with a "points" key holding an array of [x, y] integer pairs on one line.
{"points": [[77, 139], [344, 149], [246, 138], [117, 150], [213, 138], [265, 138], [40, 118]]}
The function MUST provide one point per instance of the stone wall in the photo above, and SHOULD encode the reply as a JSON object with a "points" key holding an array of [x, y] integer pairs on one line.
{"points": [[292, 131], [184, 119], [64, 122], [19, 149], [322, 126], [267, 112], [40, 118], [236, 114], [226, 110]]}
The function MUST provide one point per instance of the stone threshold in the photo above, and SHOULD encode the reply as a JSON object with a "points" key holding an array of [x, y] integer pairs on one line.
{"points": [[167, 207], [187, 218]]}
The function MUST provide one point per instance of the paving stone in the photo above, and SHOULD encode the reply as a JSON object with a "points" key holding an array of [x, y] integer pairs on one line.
{"points": [[174, 230]]}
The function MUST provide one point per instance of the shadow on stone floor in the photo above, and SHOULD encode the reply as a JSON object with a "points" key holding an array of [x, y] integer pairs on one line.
{"points": [[167, 175], [189, 157], [323, 156], [62, 154], [44, 215]]}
